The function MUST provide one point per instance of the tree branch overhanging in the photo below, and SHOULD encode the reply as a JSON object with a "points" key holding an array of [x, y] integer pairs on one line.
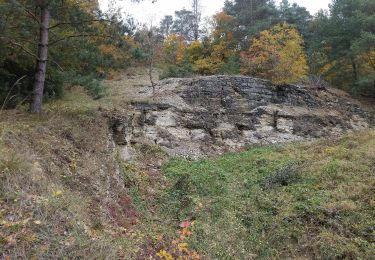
{"points": [[80, 22], [77, 36], [24, 49], [32, 16]]}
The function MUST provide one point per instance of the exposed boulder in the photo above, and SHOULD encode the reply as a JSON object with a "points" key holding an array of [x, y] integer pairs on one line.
{"points": [[207, 115]]}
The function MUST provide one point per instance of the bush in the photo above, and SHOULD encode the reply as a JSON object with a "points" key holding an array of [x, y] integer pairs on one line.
{"points": [[316, 81], [365, 87], [91, 84], [232, 67], [177, 71], [283, 177]]}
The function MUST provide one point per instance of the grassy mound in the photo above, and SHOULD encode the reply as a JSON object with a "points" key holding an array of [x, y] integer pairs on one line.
{"points": [[313, 200]]}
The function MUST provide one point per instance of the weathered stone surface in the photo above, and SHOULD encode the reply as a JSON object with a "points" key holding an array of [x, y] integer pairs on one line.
{"points": [[194, 117]]}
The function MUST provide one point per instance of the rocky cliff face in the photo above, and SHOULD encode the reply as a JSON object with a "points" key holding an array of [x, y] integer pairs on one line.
{"points": [[194, 117]]}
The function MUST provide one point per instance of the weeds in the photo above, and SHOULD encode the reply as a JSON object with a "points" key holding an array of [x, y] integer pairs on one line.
{"points": [[264, 203], [284, 176]]}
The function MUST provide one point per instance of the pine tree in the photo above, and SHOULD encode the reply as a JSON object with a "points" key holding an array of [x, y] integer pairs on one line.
{"points": [[344, 39], [251, 16]]}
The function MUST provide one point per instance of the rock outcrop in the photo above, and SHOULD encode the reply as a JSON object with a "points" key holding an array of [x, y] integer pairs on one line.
{"points": [[206, 115]]}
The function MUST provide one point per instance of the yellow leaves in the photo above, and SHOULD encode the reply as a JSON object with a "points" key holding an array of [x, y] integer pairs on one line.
{"points": [[165, 255], [204, 58], [9, 224], [195, 51], [367, 61], [277, 55], [218, 57], [179, 249], [57, 193], [202, 66], [173, 50], [73, 161]]}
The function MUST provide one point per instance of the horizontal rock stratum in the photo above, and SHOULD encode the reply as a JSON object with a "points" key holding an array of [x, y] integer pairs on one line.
{"points": [[208, 115]]}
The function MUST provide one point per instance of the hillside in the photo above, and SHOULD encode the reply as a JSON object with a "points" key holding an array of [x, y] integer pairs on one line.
{"points": [[66, 193]]}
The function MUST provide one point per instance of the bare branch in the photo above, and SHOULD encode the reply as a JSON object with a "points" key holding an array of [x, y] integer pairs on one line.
{"points": [[29, 52], [32, 16], [20, 46], [80, 22], [77, 36]]}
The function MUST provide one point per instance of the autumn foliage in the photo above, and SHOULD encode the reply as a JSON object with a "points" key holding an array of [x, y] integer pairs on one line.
{"points": [[277, 54], [202, 57]]}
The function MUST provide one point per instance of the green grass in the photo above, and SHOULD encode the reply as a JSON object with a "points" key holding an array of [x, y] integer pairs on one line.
{"points": [[313, 200]]}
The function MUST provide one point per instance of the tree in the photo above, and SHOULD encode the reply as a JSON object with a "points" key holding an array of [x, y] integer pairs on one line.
{"points": [[175, 62], [277, 54], [184, 24], [251, 17], [150, 42], [344, 37], [173, 50], [41, 67], [295, 15], [49, 16], [166, 25], [79, 25], [220, 48], [196, 10]]}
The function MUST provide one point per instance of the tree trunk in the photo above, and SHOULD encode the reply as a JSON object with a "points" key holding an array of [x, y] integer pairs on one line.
{"points": [[196, 14], [41, 63], [150, 69], [355, 71]]}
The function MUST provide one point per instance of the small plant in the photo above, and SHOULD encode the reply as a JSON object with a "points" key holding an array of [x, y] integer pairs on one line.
{"points": [[283, 177], [317, 82]]}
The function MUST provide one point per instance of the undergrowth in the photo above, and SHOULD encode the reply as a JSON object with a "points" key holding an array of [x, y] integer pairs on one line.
{"points": [[313, 200]]}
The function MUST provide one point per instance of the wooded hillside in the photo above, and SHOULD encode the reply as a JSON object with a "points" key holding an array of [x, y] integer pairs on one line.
{"points": [[47, 46]]}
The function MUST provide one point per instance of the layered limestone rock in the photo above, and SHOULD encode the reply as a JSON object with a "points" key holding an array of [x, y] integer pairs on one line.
{"points": [[206, 115]]}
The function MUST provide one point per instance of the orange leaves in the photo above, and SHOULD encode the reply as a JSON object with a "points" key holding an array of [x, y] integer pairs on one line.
{"points": [[179, 249], [110, 50], [208, 57], [222, 21], [173, 49], [277, 54]]}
